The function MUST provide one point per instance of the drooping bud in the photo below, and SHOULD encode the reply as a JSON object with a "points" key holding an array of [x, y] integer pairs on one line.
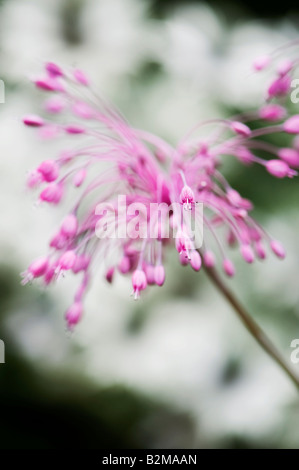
{"points": [[260, 63], [52, 193], [34, 179], [149, 270], [260, 251], [55, 104], [124, 265], [159, 275], [58, 241], [182, 242], [139, 282], [79, 177], [247, 253], [209, 259], [279, 169], [195, 260], [187, 197], [67, 260], [69, 226], [80, 77], [109, 274], [36, 269], [278, 249], [83, 110], [74, 129], [48, 84], [73, 314], [49, 169], [240, 128], [81, 263], [54, 70], [244, 155], [291, 125], [284, 67], [281, 86], [272, 112], [33, 120], [228, 267], [290, 156]]}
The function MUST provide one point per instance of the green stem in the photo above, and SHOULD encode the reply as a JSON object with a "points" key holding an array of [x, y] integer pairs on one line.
{"points": [[252, 326]]}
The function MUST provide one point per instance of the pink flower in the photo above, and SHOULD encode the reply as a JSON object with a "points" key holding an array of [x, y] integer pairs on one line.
{"points": [[135, 171]]}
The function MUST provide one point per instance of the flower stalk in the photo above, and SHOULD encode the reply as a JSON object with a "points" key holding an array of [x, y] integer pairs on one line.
{"points": [[251, 325]]}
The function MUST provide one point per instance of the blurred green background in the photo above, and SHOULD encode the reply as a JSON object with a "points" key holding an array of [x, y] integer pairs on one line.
{"points": [[177, 369]]}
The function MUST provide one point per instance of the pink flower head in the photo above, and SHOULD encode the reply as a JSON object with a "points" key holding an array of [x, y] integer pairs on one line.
{"points": [[142, 170]]}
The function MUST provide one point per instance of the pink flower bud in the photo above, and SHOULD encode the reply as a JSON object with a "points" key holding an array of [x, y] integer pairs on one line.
{"points": [[33, 120], [50, 274], [260, 251], [109, 274], [139, 282], [284, 67], [38, 267], [48, 84], [290, 156], [278, 249], [247, 253], [291, 125], [48, 132], [49, 169], [58, 241], [54, 70], [69, 226], [244, 155], [279, 169], [67, 260], [159, 275], [234, 197], [34, 179], [150, 273], [83, 110], [55, 104], [182, 242], [195, 260], [261, 62], [52, 193], [228, 268], [73, 314], [80, 77], [81, 263], [75, 129], [240, 128], [187, 197], [209, 259], [280, 86], [272, 112], [79, 177], [124, 265], [183, 259]]}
